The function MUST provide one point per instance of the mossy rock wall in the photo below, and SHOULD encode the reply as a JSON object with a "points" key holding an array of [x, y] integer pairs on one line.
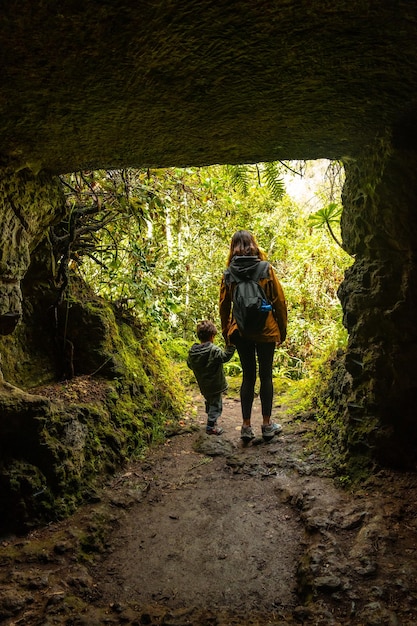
{"points": [[29, 203], [375, 401], [59, 439]]}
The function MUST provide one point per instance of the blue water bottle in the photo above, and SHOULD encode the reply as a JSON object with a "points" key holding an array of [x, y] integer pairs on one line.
{"points": [[265, 306]]}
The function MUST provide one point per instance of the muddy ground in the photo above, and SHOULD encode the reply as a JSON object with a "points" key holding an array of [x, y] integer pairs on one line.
{"points": [[206, 531]]}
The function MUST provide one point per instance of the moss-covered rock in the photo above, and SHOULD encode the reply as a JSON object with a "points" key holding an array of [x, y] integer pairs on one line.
{"points": [[99, 404]]}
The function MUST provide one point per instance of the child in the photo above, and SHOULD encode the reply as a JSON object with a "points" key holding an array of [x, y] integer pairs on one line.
{"points": [[206, 360]]}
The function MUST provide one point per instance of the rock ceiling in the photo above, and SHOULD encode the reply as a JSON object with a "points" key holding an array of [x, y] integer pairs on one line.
{"points": [[88, 84]]}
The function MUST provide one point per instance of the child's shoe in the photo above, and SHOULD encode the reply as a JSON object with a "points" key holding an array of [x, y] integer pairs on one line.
{"points": [[214, 430], [270, 430]]}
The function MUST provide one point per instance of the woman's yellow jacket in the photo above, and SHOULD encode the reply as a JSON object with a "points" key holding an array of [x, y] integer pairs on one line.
{"points": [[276, 324]]}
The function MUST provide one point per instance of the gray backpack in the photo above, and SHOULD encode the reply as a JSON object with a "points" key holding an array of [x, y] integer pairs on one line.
{"points": [[250, 304]]}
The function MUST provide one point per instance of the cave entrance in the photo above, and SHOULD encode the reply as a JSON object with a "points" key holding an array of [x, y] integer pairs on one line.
{"points": [[174, 264], [165, 234]]}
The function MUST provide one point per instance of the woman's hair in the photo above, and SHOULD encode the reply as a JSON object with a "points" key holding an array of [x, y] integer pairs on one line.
{"points": [[206, 330], [244, 244]]}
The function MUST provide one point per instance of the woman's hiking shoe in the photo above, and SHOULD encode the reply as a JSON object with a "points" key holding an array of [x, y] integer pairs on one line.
{"points": [[247, 433], [214, 430], [270, 430]]}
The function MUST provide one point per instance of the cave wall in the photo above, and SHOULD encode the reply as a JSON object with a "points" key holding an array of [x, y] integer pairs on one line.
{"points": [[379, 299], [29, 204], [61, 437]]}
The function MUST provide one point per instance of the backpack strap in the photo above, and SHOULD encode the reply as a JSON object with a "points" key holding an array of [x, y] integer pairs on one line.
{"points": [[227, 277], [261, 271]]}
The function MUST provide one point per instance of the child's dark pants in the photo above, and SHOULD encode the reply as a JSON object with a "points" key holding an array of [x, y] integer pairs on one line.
{"points": [[214, 407]]}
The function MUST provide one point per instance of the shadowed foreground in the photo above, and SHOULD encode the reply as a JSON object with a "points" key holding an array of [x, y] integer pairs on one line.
{"points": [[204, 531]]}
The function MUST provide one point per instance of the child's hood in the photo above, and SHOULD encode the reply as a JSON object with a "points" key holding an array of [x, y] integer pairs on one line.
{"points": [[201, 353]]}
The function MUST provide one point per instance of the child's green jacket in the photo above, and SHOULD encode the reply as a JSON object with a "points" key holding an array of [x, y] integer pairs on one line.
{"points": [[206, 360]]}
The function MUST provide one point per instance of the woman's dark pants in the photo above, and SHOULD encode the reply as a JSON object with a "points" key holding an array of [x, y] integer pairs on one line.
{"points": [[250, 353]]}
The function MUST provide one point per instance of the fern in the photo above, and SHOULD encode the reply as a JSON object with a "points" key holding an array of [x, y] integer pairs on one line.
{"points": [[274, 182], [239, 177]]}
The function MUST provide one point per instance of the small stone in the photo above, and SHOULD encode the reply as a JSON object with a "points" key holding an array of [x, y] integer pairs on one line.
{"points": [[233, 461], [301, 613], [62, 547], [328, 583], [214, 446], [55, 598], [354, 520], [11, 603], [369, 567]]}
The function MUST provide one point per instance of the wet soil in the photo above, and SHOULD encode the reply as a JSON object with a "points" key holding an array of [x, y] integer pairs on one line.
{"points": [[206, 531]]}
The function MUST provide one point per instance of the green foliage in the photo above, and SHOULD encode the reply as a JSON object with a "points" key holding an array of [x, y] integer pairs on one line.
{"points": [[233, 367], [155, 243], [162, 250], [327, 216], [274, 181], [241, 178]]}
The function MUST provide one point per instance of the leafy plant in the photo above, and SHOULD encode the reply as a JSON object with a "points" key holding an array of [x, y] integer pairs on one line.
{"points": [[327, 216], [242, 178], [274, 181]]}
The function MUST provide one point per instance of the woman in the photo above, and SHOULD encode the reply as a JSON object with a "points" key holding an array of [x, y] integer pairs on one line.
{"points": [[245, 255]]}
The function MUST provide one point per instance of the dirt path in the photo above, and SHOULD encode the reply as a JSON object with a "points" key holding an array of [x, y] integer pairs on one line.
{"points": [[207, 532]]}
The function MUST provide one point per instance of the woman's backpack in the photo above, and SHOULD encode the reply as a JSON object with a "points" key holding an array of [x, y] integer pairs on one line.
{"points": [[250, 304]]}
